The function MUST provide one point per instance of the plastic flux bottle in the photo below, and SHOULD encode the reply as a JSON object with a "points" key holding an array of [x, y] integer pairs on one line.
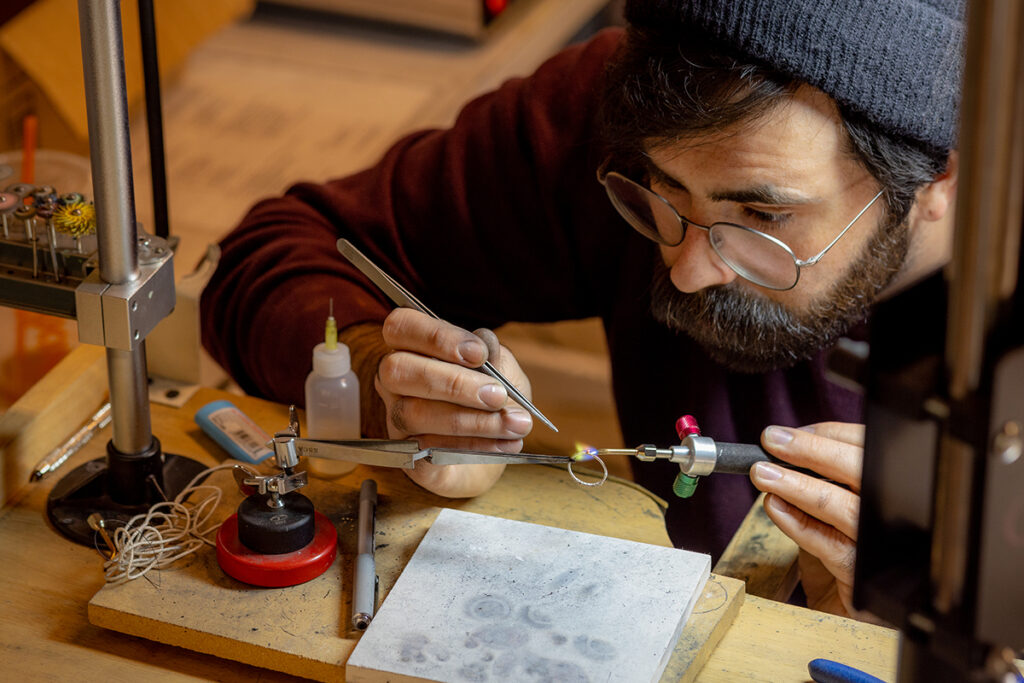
{"points": [[332, 400]]}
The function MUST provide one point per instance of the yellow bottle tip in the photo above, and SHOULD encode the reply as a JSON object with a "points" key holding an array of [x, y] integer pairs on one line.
{"points": [[331, 330]]}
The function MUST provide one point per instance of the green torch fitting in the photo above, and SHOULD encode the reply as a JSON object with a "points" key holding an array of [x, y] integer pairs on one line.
{"points": [[684, 485]]}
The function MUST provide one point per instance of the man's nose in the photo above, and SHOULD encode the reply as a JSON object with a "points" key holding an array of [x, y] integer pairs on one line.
{"points": [[694, 264]]}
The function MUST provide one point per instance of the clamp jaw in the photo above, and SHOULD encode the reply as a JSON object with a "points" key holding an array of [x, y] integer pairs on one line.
{"points": [[274, 518], [286, 458]]}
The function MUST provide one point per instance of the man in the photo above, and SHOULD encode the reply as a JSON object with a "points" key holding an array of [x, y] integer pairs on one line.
{"points": [[783, 164]]}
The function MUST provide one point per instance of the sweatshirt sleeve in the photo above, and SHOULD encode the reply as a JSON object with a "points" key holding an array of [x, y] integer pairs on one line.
{"points": [[498, 218]]}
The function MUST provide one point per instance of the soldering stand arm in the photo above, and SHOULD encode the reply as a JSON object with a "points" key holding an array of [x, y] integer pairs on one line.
{"points": [[114, 195]]}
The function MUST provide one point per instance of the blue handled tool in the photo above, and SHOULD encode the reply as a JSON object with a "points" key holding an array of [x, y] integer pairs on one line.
{"points": [[827, 671]]}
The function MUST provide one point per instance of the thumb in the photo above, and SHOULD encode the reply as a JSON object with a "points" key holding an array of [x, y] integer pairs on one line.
{"points": [[490, 340]]}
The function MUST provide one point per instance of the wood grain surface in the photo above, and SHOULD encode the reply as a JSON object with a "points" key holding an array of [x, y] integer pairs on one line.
{"points": [[45, 633], [304, 630]]}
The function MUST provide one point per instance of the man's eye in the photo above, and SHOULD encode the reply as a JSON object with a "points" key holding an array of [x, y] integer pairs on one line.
{"points": [[766, 217]]}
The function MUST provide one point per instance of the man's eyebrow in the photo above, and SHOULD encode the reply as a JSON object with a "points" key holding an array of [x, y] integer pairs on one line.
{"points": [[760, 194]]}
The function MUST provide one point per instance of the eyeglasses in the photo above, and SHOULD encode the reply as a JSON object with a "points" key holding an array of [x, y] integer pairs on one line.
{"points": [[764, 260]]}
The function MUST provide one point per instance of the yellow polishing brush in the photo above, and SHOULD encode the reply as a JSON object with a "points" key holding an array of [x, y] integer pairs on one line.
{"points": [[76, 219]]}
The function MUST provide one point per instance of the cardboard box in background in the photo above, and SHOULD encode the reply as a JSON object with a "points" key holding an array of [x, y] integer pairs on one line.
{"points": [[41, 62], [41, 74], [19, 96], [467, 18]]}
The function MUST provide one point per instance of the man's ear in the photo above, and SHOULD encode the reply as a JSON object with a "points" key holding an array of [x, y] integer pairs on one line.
{"points": [[935, 199]]}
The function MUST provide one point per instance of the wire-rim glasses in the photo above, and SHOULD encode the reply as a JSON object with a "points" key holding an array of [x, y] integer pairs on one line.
{"points": [[756, 256]]}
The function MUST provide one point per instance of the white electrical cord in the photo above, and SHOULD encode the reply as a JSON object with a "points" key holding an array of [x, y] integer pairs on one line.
{"points": [[169, 531]]}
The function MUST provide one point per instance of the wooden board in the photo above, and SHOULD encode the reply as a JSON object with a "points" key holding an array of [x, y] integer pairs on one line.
{"points": [[303, 630], [190, 611], [485, 598]]}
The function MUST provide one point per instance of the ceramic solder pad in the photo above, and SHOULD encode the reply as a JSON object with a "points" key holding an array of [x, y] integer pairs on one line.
{"points": [[305, 630], [491, 599]]}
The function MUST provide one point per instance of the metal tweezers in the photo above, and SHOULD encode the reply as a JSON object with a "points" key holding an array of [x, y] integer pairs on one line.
{"points": [[404, 454], [402, 297]]}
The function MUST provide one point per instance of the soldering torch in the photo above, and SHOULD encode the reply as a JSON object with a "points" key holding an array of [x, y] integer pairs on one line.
{"points": [[697, 456]]}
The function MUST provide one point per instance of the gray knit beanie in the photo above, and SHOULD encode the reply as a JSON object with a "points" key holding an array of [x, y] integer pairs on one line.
{"points": [[897, 62]]}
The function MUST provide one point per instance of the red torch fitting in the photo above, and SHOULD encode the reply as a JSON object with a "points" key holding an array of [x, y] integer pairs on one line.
{"points": [[687, 426]]}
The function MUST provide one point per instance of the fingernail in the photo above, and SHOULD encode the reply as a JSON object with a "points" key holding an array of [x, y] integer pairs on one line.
{"points": [[779, 505], [778, 436], [807, 428], [767, 471], [518, 421], [471, 352], [493, 395], [510, 446]]}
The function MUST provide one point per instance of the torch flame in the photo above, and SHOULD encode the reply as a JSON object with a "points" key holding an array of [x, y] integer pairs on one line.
{"points": [[584, 452]]}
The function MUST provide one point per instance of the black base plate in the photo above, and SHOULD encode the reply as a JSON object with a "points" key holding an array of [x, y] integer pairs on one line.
{"points": [[84, 491]]}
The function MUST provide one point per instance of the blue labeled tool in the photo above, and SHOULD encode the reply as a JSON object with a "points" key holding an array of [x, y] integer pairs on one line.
{"points": [[827, 671], [234, 431]]}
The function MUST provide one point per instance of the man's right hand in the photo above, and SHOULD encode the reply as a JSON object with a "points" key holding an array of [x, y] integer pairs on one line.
{"points": [[433, 395]]}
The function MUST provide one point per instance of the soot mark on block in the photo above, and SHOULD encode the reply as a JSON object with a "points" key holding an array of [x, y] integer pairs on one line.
{"points": [[488, 608], [502, 637], [594, 648], [534, 616]]}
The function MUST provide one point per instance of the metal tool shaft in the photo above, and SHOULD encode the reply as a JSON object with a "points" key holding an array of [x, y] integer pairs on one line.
{"points": [[403, 297], [114, 194], [404, 454], [51, 235], [453, 456]]}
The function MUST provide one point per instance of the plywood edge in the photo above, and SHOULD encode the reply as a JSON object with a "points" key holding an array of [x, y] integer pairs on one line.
{"points": [[762, 556], [108, 617], [48, 413], [712, 616], [359, 674]]}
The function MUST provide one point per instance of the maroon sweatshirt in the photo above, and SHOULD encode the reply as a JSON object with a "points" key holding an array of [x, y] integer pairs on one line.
{"points": [[499, 219]]}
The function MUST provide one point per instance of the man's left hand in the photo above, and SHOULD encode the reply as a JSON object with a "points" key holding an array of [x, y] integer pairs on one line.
{"points": [[819, 515]]}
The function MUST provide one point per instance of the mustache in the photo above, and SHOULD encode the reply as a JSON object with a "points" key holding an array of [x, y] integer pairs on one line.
{"points": [[740, 330]]}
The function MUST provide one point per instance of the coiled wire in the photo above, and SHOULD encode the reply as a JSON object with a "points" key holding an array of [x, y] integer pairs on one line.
{"points": [[167, 532]]}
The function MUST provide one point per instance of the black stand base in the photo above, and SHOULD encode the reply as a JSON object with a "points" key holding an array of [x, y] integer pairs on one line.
{"points": [[276, 530], [118, 487]]}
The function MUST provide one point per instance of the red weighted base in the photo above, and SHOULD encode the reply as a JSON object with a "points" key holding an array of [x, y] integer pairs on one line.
{"points": [[276, 571]]}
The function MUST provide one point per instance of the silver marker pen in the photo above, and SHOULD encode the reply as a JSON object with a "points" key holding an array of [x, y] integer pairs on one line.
{"points": [[58, 456], [364, 590]]}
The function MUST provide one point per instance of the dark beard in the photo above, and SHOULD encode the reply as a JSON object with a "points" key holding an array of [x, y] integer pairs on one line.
{"points": [[746, 332]]}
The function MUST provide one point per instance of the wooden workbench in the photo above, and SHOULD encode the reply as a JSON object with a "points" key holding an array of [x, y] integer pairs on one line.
{"points": [[350, 90], [47, 581]]}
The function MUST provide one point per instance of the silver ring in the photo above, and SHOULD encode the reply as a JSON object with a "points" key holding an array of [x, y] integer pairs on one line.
{"points": [[579, 481]]}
